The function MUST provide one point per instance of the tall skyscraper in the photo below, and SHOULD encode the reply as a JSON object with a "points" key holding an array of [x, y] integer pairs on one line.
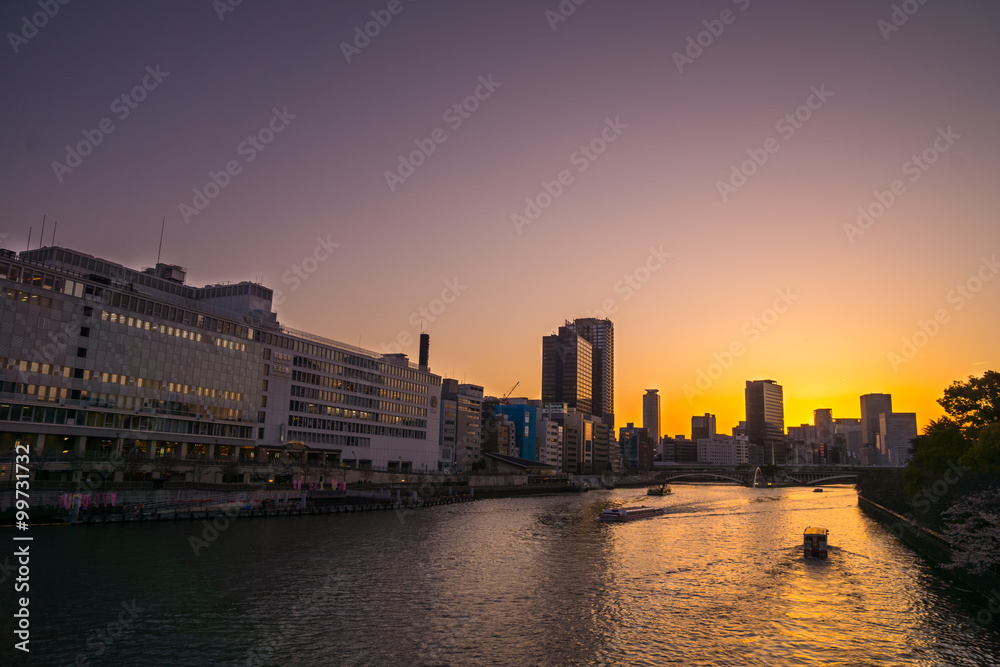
{"points": [[766, 419], [651, 415], [702, 427], [872, 405], [823, 419], [601, 336], [567, 370]]}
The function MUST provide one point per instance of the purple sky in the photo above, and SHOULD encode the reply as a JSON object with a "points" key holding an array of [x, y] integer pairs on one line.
{"points": [[653, 191]]}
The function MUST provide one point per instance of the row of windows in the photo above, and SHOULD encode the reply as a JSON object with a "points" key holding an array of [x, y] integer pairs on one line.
{"points": [[353, 427], [332, 411], [322, 351], [375, 378], [24, 366], [348, 399], [116, 378], [108, 400], [333, 397], [345, 441], [25, 297], [122, 422], [179, 332], [358, 388]]}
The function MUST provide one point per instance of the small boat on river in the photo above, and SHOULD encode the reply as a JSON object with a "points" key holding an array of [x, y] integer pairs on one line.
{"points": [[814, 542], [661, 490], [620, 514]]}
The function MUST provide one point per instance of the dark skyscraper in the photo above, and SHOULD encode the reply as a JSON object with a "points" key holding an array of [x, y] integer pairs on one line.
{"points": [[567, 370], [766, 419], [873, 405], [601, 336]]}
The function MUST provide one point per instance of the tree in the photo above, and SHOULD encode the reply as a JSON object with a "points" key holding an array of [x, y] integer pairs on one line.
{"points": [[941, 444], [973, 404], [974, 530], [985, 451]]}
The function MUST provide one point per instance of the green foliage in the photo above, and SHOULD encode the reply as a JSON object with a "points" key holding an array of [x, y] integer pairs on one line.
{"points": [[985, 452], [942, 443], [973, 404]]}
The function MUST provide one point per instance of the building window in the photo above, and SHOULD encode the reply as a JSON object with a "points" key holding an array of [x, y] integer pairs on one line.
{"points": [[81, 352], [85, 332]]}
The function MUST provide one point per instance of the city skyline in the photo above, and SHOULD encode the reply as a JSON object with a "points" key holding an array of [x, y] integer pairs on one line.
{"points": [[818, 210]]}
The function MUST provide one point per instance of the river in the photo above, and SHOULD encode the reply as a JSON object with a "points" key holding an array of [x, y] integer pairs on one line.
{"points": [[718, 580]]}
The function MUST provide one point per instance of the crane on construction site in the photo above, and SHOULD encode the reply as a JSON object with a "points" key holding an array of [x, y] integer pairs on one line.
{"points": [[507, 395]]}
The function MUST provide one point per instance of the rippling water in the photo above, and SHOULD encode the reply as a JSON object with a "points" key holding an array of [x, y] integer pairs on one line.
{"points": [[718, 580]]}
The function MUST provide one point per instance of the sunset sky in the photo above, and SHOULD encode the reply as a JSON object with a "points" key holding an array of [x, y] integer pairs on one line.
{"points": [[652, 224]]}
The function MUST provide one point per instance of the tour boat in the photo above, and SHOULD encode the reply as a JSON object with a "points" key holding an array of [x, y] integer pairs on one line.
{"points": [[661, 490], [814, 542], [630, 513], [817, 490]]}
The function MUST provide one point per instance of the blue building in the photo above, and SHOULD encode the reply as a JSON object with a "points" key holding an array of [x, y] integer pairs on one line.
{"points": [[525, 418]]}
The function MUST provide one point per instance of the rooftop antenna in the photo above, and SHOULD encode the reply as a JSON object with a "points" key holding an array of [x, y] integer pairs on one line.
{"points": [[29, 239], [55, 226], [162, 223], [41, 237]]}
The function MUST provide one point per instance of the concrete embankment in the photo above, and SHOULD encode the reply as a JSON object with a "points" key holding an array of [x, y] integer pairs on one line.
{"points": [[933, 546]]}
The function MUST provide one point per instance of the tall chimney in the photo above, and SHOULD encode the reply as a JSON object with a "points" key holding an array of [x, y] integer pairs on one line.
{"points": [[425, 344]]}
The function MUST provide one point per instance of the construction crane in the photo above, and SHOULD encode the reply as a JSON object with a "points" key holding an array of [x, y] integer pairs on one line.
{"points": [[507, 395]]}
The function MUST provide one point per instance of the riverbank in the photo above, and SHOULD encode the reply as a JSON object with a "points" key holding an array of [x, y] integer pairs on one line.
{"points": [[933, 546]]}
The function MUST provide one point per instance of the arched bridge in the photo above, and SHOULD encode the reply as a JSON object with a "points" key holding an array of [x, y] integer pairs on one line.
{"points": [[785, 476]]}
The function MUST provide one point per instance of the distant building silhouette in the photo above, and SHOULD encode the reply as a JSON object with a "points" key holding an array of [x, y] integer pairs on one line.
{"points": [[896, 431], [766, 420], [651, 415], [873, 405], [567, 371], [703, 427], [601, 336]]}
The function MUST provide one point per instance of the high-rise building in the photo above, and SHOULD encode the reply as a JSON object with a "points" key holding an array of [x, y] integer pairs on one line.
{"points": [[636, 448], [850, 430], [702, 426], [823, 419], [651, 415], [601, 336], [766, 419], [461, 423], [896, 432], [872, 405], [567, 370]]}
